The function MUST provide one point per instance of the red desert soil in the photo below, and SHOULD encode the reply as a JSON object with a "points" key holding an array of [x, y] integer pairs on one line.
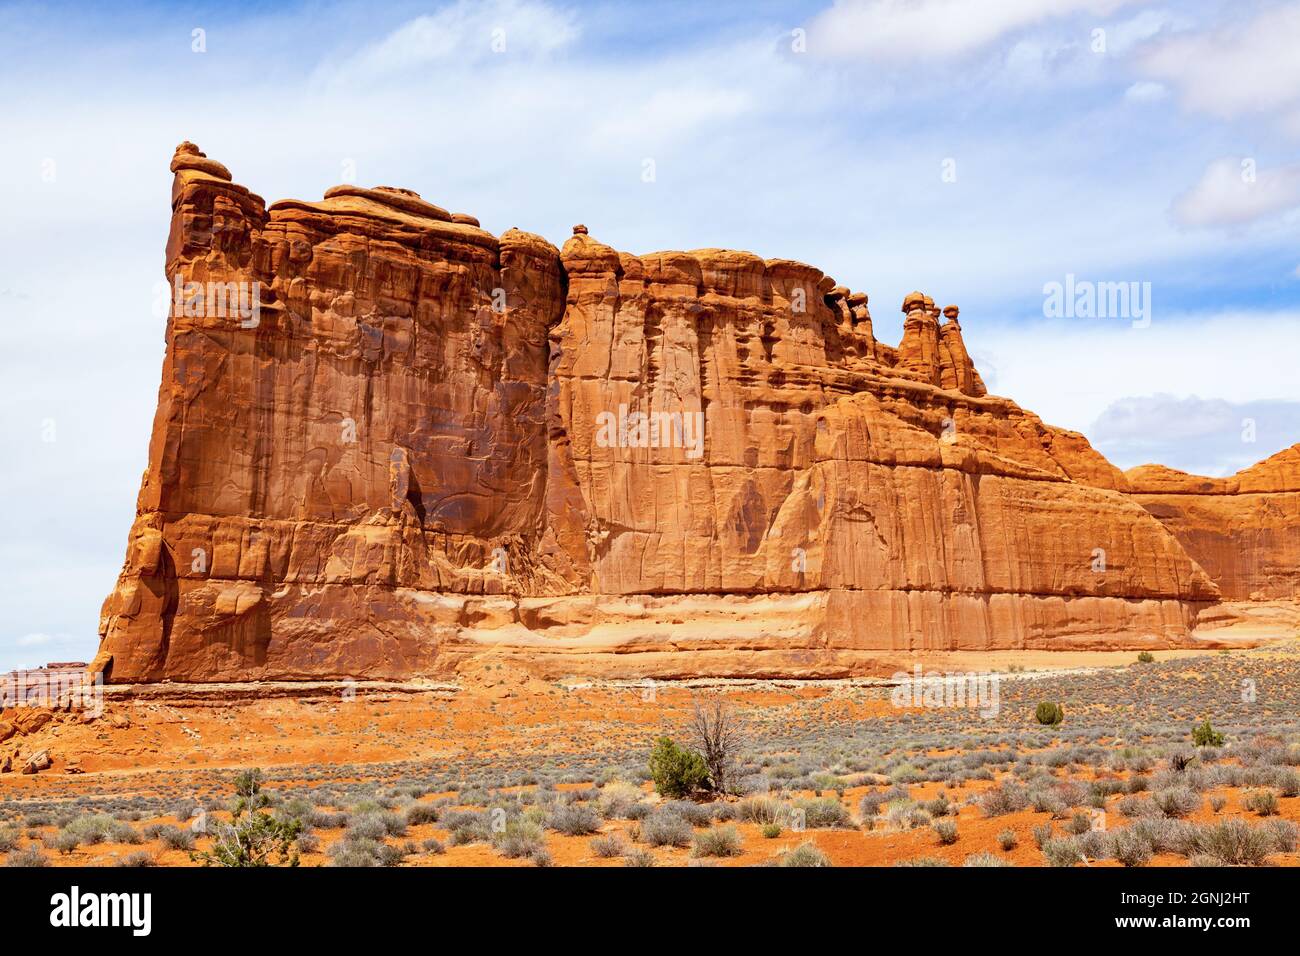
{"points": [[174, 741]]}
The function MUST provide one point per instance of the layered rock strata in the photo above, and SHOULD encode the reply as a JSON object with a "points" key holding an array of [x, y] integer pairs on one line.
{"points": [[415, 441]]}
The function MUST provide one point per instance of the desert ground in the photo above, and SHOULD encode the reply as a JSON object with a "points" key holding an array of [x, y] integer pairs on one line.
{"points": [[501, 768]]}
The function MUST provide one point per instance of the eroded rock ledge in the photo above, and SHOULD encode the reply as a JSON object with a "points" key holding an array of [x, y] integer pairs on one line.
{"points": [[432, 441]]}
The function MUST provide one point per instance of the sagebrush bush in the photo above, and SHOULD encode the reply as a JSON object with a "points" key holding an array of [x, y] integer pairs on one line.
{"points": [[1008, 840], [1130, 846], [520, 838], [1062, 851], [1262, 802], [946, 831], [666, 829], [573, 820], [1235, 842], [805, 854], [1176, 801], [609, 846], [719, 841], [984, 859], [824, 813]]}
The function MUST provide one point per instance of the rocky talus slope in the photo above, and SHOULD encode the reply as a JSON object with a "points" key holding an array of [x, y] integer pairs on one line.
{"points": [[426, 441]]}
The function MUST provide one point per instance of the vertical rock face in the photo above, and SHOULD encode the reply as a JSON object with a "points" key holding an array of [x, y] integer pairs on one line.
{"points": [[414, 439], [1244, 530]]}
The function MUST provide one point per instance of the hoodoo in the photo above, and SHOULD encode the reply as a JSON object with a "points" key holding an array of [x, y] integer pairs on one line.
{"points": [[405, 461]]}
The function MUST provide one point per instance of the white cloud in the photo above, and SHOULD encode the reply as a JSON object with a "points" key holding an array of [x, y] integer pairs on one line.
{"points": [[1144, 91], [1237, 69], [920, 30], [1233, 191], [1204, 436], [461, 34], [1070, 372], [35, 640]]}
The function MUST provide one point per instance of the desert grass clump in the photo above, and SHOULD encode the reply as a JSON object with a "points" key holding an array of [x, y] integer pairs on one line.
{"points": [[1261, 802], [1062, 851], [824, 813], [1218, 802], [573, 820], [946, 831], [1235, 842], [519, 838], [718, 841], [1284, 834], [1176, 801], [174, 838], [926, 861], [1005, 799], [761, 810], [1079, 824], [771, 831], [617, 798], [609, 846], [666, 829], [1130, 846], [638, 856], [28, 857], [1008, 840], [984, 859], [804, 855], [137, 858], [871, 803], [420, 813]]}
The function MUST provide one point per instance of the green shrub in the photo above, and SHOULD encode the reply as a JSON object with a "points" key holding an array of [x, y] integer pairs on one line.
{"points": [[1146, 657], [771, 830], [676, 771], [253, 837], [1203, 735], [1049, 713]]}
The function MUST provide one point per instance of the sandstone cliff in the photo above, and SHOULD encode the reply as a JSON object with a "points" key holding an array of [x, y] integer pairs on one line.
{"points": [[420, 440], [1244, 530]]}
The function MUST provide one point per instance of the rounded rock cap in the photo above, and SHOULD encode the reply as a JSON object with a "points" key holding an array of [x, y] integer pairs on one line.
{"points": [[950, 312], [913, 302], [580, 230]]}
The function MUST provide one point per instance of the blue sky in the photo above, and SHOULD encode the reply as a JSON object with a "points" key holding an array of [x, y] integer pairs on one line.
{"points": [[972, 149]]}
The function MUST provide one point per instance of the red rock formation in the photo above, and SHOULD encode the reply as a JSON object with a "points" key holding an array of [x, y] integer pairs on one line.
{"points": [[1244, 530], [425, 440]]}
